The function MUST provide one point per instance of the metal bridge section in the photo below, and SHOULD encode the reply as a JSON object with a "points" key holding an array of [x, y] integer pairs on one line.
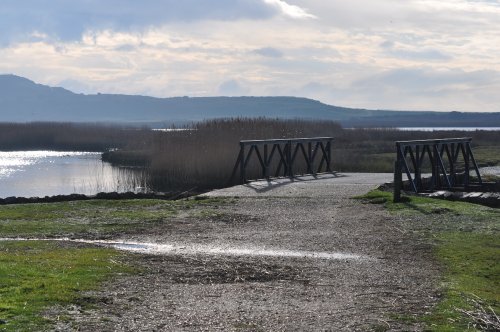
{"points": [[449, 162], [282, 157]]}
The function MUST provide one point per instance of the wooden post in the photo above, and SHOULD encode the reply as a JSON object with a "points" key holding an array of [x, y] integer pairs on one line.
{"points": [[435, 180], [266, 162], [242, 163], [398, 176], [451, 161], [329, 156], [418, 169], [309, 158], [289, 159], [466, 166]]}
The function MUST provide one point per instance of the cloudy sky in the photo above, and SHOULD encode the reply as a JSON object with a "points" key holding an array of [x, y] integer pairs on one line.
{"points": [[382, 54]]}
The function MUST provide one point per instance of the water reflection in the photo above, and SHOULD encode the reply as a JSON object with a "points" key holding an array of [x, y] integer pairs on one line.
{"points": [[187, 248], [46, 173]]}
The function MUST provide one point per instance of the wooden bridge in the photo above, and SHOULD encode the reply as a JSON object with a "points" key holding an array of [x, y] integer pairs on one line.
{"points": [[429, 165], [280, 157], [449, 162]]}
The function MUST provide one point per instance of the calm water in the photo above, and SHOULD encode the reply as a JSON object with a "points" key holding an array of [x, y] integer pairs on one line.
{"points": [[450, 128], [439, 128], [47, 173]]}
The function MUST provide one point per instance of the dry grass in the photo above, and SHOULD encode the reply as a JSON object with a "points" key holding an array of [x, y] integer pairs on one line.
{"points": [[205, 156], [482, 316]]}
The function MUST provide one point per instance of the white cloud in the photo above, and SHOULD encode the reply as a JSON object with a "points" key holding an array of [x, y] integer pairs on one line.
{"points": [[69, 20], [402, 51], [427, 89], [414, 54], [290, 10]]}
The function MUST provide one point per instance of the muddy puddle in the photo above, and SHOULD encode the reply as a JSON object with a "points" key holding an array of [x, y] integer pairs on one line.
{"points": [[199, 249]]}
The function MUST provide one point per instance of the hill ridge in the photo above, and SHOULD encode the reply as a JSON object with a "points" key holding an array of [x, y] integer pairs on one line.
{"points": [[23, 100]]}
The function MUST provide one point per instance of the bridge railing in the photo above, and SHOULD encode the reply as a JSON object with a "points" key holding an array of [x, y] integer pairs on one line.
{"points": [[449, 162], [281, 157]]}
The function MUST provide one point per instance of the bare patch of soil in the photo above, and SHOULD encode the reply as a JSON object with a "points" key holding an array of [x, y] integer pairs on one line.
{"points": [[217, 270]]}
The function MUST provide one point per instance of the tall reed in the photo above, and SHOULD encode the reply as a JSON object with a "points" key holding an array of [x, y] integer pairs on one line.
{"points": [[203, 154]]}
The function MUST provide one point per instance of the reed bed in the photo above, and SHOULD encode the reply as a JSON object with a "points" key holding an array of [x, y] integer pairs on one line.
{"points": [[202, 155], [67, 136]]}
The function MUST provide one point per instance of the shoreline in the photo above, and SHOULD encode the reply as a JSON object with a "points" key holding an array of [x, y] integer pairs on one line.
{"points": [[102, 195]]}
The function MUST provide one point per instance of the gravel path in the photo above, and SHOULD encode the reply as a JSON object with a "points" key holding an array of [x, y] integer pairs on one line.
{"points": [[493, 170], [198, 291]]}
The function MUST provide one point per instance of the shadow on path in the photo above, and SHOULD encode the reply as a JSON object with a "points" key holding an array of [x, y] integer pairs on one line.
{"points": [[261, 186]]}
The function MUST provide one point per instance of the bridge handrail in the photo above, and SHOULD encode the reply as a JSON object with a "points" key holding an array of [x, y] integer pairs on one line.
{"points": [[284, 140], [435, 141]]}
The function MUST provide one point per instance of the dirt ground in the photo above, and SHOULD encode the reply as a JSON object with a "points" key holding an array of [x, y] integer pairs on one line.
{"points": [[394, 281]]}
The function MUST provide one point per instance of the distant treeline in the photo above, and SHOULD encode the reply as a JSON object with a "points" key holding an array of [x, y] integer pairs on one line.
{"points": [[424, 119], [66, 136], [203, 155]]}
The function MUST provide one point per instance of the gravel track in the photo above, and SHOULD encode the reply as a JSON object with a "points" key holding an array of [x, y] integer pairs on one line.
{"points": [[211, 292]]}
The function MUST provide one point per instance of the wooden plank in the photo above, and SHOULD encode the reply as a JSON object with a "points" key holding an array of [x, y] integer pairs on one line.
{"points": [[293, 140]]}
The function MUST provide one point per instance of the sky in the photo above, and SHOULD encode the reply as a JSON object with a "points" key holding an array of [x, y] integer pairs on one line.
{"points": [[440, 55]]}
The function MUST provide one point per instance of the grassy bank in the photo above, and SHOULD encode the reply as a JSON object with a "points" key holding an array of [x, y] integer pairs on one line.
{"points": [[97, 219], [35, 275], [466, 241]]}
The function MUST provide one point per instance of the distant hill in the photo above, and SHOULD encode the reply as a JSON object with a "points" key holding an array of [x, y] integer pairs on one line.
{"points": [[22, 100]]}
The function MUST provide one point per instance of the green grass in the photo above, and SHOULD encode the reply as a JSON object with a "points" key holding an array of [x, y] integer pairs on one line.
{"points": [[467, 243], [430, 206], [472, 270], [487, 155], [96, 218], [38, 274], [363, 160]]}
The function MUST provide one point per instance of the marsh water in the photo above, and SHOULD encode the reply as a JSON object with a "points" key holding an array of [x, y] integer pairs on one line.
{"points": [[47, 173]]}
